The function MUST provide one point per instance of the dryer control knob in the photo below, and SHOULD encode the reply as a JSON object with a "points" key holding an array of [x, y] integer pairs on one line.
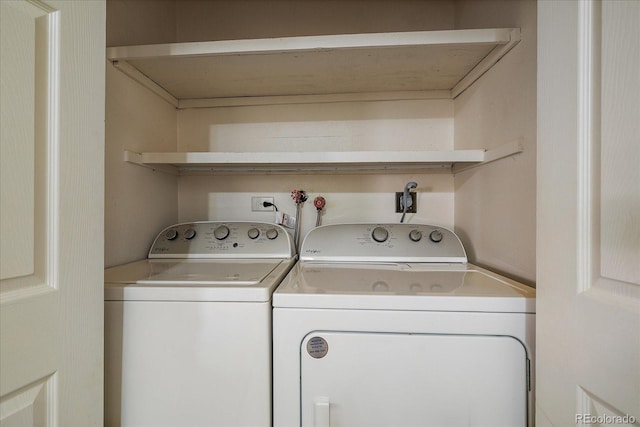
{"points": [[190, 234], [415, 235], [380, 234], [253, 233], [435, 236], [221, 232], [272, 234], [171, 234]]}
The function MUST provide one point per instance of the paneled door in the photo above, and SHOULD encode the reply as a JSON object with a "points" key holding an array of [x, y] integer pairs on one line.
{"points": [[588, 310], [51, 212]]}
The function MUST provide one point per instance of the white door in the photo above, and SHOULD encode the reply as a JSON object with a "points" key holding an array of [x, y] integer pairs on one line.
{"points": [[588, 310], [51, 256], [356, 379]]}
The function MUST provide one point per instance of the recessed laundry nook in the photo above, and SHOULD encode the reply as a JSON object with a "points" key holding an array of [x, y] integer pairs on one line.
{"points": [[327, 213], [397, 144], [326, 122]]}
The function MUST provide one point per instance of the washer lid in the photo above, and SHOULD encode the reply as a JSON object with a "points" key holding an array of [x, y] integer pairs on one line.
{"points": [[195, 279], [430, 287]]}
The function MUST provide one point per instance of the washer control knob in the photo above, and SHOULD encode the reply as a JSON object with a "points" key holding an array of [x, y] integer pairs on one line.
{"points": [[253, 233], [415, 235], [171, 234], [380, 286], [272, 234], [380, 234], [435, 236], [221, 232], [190, 234]]}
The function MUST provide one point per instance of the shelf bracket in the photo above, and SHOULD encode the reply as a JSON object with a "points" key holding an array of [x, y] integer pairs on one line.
{"points": [[489, 61], [505, 150], [136, 159], [145, 81]]}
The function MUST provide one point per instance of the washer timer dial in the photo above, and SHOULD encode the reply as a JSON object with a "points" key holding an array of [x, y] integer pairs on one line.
{"points": [[221, 232], [380, 234]]}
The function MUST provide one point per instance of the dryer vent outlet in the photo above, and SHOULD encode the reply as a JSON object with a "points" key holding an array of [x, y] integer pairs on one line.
{"points": [[400, 206]]}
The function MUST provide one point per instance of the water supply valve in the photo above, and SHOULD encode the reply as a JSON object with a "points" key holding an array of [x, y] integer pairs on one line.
{"points": [[319, 203], [299, 196]]}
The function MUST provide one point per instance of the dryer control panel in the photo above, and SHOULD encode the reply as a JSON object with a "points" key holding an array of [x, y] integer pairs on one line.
{"points": [[217, 239], [383, 243]]}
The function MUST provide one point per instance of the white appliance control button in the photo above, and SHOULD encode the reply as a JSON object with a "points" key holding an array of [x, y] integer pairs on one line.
{"points": [[415, 235], [253, 233], [435, 236], [272, 234], [221, 232], [380, 286], [380, 234], [190, 234], [171, 234]]}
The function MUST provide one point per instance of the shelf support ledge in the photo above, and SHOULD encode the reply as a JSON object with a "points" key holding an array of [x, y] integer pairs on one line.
{"points": [[136, 158], [491, 155]]}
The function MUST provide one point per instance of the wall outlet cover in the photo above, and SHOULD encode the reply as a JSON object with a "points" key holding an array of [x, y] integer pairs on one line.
{"points": [[257, 204]]}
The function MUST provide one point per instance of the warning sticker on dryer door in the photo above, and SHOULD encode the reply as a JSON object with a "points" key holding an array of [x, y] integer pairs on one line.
{"points": [[317, 347]]}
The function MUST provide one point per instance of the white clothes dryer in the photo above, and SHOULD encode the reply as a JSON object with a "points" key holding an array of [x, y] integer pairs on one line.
{"points": [[388, 325], [188, 330]]}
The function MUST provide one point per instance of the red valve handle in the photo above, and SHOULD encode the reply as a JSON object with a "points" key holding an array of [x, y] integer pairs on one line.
{"points": [[298, 196], [319, 202]]}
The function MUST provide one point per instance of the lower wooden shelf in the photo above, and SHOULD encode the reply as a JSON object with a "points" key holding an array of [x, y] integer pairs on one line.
{"points": [[185, 163]]}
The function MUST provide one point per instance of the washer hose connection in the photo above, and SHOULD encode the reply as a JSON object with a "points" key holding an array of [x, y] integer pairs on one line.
{"points": [[319, 203], [299, 197], [407, 201]]}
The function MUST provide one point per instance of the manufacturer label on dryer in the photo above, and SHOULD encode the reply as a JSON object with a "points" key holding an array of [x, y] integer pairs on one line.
{"points": [[317, 347]]}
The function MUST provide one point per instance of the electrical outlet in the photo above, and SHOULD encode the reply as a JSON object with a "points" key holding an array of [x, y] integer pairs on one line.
{"points": [[399, 205], [257, 204]]}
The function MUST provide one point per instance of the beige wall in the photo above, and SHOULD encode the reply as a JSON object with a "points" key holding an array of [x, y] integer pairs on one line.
{"points": [[492, 207], [384, 126], [350, 198], [409, 125], [138, 202], [495, 205], [132, 22], [246, 19]]}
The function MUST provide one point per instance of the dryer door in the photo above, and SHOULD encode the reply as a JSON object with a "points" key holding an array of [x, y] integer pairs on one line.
{"points": [[379, 379]]}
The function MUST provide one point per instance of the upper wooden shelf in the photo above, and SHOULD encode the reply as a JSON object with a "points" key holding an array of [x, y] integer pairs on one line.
{"points": [[316, 68], [345, 161]]}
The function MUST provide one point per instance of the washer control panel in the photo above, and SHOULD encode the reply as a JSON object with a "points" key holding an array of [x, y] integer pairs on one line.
{"points": [[383, 243], [217, 239]]}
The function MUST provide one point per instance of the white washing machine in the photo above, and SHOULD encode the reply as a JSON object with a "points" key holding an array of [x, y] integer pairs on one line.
{"points": [[388, 325], [188, 330]]}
